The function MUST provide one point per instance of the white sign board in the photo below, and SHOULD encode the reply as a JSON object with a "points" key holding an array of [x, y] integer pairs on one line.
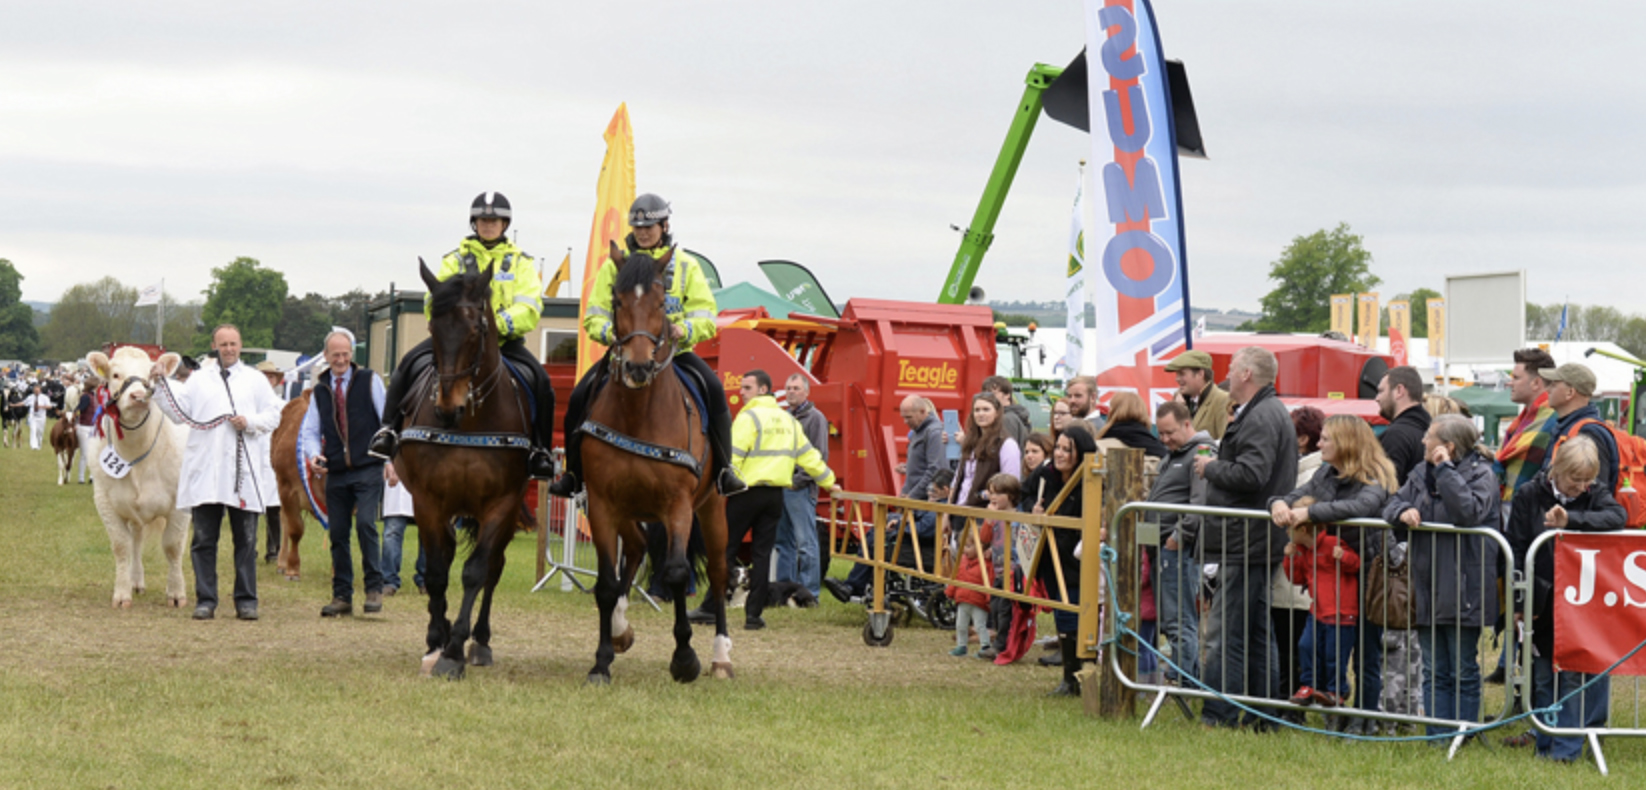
{"points": [[1485, 318]]}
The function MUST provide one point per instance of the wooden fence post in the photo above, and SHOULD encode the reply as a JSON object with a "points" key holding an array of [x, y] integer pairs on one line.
{"points": [[1125, 484]]}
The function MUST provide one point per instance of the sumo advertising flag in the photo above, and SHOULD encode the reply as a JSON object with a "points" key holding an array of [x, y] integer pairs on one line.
{"points": [[1140, 285]]}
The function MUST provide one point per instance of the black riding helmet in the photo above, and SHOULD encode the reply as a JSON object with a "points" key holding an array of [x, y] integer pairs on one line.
{"points": [[648, 210], [489, 204]]}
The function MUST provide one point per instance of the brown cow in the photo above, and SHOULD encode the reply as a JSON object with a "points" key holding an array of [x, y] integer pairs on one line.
{"points": [[294, 501], [64, 441]]}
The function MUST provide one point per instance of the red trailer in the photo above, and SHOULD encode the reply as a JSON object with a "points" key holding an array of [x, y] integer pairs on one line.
{"points": [[861, 366]]}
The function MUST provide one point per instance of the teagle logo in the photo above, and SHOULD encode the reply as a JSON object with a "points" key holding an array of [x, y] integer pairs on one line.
{"points": [[931, 377]]}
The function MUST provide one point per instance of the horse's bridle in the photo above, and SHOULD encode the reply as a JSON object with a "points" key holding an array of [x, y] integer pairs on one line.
{"points": [[654, 365]]}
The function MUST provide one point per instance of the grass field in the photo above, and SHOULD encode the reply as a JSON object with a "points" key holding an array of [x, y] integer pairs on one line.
{"points": [[147, 698]]}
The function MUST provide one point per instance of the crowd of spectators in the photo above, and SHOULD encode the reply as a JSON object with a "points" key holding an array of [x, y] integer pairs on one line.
{"points": [[1279, 608]]}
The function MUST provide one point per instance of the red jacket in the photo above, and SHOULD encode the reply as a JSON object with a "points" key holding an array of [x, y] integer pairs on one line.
{"points": [[1333, 583], [974, 570]]}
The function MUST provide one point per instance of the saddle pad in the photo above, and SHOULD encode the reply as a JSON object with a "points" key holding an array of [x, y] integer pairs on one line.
{"points": [[689, 381], [525, 386]]}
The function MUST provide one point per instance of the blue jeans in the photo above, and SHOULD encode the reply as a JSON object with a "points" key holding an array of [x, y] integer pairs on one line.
{"points": [[1325, 649], [1177, 582], [1368, 666], [1241, 659], [1451, 673], [394, 539], [352, 500], [797, 551], [1589, 709]]}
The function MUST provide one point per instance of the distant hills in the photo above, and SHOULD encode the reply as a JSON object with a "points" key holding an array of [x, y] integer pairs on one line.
{"points": [[1050, 313]]}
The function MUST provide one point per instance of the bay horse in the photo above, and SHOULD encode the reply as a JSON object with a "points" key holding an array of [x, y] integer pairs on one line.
{"points": [[301, 490], [463, 459], [647, 460]]}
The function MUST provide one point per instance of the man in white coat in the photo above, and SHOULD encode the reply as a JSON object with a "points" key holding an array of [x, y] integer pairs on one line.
{"points": [[231, 411], [39, 405]]}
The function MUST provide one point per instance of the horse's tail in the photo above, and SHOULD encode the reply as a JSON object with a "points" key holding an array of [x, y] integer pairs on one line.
{"points": [[657, 548]]}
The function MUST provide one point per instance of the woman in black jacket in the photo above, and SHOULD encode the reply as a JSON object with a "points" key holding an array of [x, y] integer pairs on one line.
{"points": [[1068, 458], [1354, 480], [1563, 496], [1129, 424]]}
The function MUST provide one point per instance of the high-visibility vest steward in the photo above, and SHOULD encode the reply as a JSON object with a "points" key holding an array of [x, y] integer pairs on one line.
{"points": [[767, 444], [689, 304], [516, 286]]}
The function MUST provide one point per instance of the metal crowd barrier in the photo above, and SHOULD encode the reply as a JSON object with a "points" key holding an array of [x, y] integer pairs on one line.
{"points": [[1621, 721], [867, 517], [560, 530], [1274, 708]]}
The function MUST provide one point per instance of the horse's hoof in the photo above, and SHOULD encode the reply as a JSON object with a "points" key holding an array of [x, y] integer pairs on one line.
{"points": [[479, 655], [427, 667], [686, 668], [722, 670], [448, 669], [622, 642], [599, 679]]}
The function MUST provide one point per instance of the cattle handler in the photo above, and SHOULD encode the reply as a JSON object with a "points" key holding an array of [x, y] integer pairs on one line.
{"points": [[691, 313], [516, 298]]}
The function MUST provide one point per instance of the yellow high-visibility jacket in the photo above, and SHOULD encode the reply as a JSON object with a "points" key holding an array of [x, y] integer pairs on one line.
{"points": [[516, 286], [690, 303], [767, 444]]}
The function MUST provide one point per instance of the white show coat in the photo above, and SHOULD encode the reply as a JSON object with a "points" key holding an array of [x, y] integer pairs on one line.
{"points": [[209, 458]]}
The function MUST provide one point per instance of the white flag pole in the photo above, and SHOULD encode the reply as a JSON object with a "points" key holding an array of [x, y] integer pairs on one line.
{"points": [[160, 316]]}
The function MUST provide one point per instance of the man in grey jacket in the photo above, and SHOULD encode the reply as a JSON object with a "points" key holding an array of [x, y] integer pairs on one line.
{"points": [[1177, 572], [1256, 461], [925, 456], [797, 548]]}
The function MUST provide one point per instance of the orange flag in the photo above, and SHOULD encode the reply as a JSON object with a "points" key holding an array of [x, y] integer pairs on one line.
{"points": [[614, 192]]}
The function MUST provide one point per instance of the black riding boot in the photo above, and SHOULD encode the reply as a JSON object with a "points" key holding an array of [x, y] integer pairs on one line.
{"points": [[386, 441], [720, 425], [541, 462], [571, 479], [1070, 687]]}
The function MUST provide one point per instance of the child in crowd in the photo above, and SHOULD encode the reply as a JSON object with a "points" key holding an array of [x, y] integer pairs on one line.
{"points": [[972, 606], [1330, 568], [1004, 495]]}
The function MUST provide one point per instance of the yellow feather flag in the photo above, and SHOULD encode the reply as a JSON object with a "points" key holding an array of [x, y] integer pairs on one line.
{"points": [[561, 276], [614, 192]]}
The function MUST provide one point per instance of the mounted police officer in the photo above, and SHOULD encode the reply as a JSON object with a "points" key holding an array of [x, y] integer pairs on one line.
{"points": [[517, 300], [691, 316]]}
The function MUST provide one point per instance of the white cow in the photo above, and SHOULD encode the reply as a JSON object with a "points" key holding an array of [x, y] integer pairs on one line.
{"points": [[143, 499]]}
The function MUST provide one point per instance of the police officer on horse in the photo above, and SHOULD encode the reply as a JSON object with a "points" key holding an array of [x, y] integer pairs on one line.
{"points": [[517, 300], [691, 312]]}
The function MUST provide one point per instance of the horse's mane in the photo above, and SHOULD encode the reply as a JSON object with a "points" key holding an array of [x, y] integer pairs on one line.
{"points": [[637, 271], [444, 296]]}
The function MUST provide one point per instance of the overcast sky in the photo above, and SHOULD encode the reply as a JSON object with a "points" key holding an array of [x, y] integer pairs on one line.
{"points": [[337, 141]]}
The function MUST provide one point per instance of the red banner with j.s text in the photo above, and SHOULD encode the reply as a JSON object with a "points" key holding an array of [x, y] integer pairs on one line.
{"points": [[1599, 602]]}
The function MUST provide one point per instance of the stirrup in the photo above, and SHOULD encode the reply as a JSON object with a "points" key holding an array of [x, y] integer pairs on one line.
{"points": [[383, 444], [539, 464], [565, 486], [728, 483]]}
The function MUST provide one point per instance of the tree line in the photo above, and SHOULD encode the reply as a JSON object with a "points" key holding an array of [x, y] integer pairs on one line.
{"points": [[1314, 267], [242, 292]]}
